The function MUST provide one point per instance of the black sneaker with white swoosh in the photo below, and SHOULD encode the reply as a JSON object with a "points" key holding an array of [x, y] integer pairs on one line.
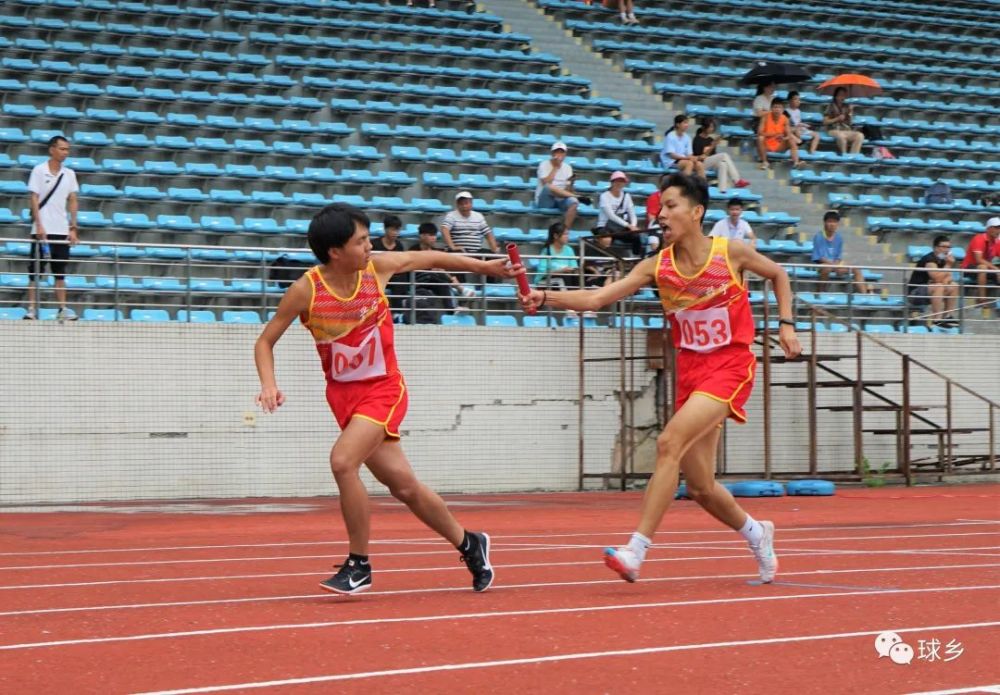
{"points": [[353, 577], [477, 559]]}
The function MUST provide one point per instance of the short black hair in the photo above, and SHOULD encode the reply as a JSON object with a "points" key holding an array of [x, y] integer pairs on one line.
{"points": [[427, 228], [777, 100], [791, 94], [692, 187], [941, 238], [332, 227], [392, 222], [734, 201], [680, 118], [831, 215], [55, 140]]}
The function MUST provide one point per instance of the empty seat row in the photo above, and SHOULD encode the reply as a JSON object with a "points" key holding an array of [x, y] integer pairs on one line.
{"points": [[905, 202], [163, 285], [151, 118], [143, 315], [808, 176]]}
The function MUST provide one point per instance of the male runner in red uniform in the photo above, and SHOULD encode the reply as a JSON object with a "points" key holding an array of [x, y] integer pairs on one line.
{"points": [[701, 287], [342, 303]]}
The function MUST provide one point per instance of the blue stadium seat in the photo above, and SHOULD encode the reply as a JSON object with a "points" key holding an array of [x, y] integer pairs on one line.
{"points": [[222, 225], [132, 220], [91, 314], [144, 193], [189, 195], [177, 223], [500, 320], [457, 320], [149, 315], [240, 317]]}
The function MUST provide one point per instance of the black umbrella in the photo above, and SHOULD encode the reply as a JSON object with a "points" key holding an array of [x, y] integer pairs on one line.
{"points": [[764, 72]]}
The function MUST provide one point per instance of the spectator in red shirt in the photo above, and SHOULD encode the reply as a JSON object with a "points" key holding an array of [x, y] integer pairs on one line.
{"points": [[653, 213], [982, 251]]}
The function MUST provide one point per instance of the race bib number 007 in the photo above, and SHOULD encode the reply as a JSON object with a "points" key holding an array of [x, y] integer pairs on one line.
{"points": [[703, 330], [365, 361]]}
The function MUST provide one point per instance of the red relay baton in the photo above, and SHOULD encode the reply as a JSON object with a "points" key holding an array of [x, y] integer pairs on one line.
{"points": [[522, 280]]}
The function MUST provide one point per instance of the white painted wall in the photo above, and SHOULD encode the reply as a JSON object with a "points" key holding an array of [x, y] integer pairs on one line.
{"points": [[93, 411]]}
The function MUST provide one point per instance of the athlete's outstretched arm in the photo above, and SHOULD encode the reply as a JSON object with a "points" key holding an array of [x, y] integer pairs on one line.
{"points": [[592, 300], [744, 257], [388, 264], [295, 301]]}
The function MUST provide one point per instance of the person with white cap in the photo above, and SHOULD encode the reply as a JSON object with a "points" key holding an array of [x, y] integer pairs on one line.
{"points": [[555, 188], [979, 256], [617, 214], [464, 230]]}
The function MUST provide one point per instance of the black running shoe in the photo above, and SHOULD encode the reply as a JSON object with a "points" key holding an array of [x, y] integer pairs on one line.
{"points": [[477, 559], [352, 578]]}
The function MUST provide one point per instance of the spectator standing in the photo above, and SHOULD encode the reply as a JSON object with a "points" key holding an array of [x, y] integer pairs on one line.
{"points": [[465, 230], [557, 267], [774, 134], [979, 256], [397, 287], [705, 142], [932, 281], [555, 187], [828, 252], [53, 200], [678, 151], [733, 226], [617, 214], [838, 118], [802, 131]]}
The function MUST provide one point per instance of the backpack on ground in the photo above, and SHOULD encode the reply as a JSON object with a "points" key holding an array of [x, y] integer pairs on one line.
{"points": [[938, 193]]}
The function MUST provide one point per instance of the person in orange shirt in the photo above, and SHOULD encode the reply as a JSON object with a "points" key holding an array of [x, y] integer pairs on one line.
{"points": [[774, 134]]}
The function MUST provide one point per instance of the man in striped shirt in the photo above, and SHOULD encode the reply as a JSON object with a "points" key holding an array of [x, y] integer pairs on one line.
{"points": [[464, 229]]}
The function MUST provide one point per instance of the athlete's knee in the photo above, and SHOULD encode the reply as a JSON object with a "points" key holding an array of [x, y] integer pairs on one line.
{"points": [[406, 491], [668, 449], [343, 465], [700, 492]]}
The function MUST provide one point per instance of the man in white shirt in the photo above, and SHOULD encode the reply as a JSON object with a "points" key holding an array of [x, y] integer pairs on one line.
{"points": [[555, 187], [466, 230], [53, 188], [733, 226], [677, 149]]}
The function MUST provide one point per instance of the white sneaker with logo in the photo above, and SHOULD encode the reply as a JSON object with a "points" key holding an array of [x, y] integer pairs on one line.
{"points": [[66, 315], [767, 560], [624, 562]]}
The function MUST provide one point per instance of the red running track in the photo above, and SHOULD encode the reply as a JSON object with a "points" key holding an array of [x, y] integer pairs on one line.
{"points": [[164, 599]]}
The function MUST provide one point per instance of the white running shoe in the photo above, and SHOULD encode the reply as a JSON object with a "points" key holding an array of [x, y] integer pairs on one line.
{"points": [[767, 560], [66, 315], [624, 562]]}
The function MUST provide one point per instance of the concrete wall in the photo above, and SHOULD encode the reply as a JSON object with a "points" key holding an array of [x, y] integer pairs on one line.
{"points": [[93, 411]]}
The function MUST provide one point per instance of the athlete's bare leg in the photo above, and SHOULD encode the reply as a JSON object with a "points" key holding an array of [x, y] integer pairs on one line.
{"points": [[698, 466], [698, 417], [357, 442], [389, 464]]}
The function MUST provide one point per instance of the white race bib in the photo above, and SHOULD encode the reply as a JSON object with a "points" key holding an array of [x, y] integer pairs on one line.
{"points": [[704, 330], [366, 361]]}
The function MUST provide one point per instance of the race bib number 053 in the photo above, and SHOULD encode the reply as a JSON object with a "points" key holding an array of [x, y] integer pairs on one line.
{"points": [[366, 361], [703, 330]]}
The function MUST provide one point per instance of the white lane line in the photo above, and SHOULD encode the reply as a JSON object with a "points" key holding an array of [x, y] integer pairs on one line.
{"points": [[433, 539], [497, 547], [550, 658], [800, 552], [464, 589], [959, 691], [491, 614]]}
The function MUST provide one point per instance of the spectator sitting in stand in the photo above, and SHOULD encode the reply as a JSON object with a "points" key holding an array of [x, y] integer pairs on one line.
{"points": [[600, 263], [677, 149], [837, 119], [762, 102], [774, 134], [626, 10], [398, 285], [465, 230], [733, 226], [828, 251], [801, 131], [980, 255], [436, 283], [557, 267], [703, 147], [931, 280], [617, 214], [555, 189]]}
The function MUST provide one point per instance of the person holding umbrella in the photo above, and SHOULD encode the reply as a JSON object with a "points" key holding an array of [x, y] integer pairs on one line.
{"points": [[839, 115], [838, 121]]}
